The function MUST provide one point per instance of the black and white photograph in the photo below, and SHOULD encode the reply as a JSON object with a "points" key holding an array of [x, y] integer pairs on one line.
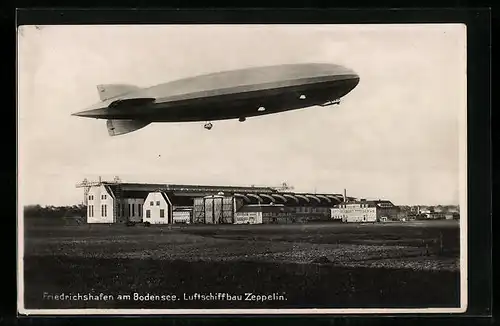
{"points": [[242, 169]]}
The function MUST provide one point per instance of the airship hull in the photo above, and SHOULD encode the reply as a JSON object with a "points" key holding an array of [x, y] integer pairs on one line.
{"points": [[235, 94], [232, 105]]}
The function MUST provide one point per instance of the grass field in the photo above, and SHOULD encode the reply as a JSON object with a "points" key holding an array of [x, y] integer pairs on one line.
{"points": [[412, 264]]}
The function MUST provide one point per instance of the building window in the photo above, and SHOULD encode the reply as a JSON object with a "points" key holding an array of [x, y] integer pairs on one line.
{"points": [[104, 211], [90, 197], [132, 209], [148, 213], [139, 211], [157, 203], [151, 203], [118, 210], [162, 213]]}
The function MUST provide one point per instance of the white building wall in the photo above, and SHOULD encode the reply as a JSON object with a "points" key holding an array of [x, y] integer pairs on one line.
{"points": [[154, 206], [100, 205], [248, 218], [181, 217], [355, 213]]}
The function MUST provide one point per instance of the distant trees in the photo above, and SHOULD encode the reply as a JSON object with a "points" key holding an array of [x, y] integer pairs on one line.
{"points": [[33, 211]]}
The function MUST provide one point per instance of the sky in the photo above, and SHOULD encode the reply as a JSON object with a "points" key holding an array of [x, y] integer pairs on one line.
{"points": [[399, 135]]}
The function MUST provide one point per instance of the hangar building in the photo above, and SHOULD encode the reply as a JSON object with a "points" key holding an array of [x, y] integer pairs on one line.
{"points": [[120, 202]]}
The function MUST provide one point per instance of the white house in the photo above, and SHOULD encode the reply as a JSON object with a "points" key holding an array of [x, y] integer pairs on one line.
{"points": [[100, 207], [157, 208]]}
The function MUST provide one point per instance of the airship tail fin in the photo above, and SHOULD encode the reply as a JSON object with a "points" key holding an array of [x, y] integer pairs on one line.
{"points": [[109, 91], [120, 127]]}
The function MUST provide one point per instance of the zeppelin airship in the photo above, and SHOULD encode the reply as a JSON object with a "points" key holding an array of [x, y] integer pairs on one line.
{"points": [[235, 94]]}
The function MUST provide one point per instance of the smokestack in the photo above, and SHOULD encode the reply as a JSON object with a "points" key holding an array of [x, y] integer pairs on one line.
{"points": [[345, 195], [100, 179]]}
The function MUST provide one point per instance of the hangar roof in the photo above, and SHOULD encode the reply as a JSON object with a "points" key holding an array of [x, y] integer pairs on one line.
{"points": [[190, 188], [184, 194]]}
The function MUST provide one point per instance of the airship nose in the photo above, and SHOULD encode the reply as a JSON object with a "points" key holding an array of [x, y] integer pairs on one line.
{"points": [[356, 78], [343, 70], [354, 74]]}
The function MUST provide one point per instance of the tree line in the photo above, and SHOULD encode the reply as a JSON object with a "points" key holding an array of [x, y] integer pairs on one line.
{"points": [[35, 211]]}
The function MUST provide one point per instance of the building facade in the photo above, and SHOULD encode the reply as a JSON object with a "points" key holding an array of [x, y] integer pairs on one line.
{"points": [[100, 205], [364, 211], [118, 202], [158, 209], [129, 210], [214, 209], [251, 214], [182, 215]]}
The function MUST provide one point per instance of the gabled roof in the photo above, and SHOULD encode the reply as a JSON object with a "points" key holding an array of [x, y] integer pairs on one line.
{"points": [[164, 196], [110, 191]]}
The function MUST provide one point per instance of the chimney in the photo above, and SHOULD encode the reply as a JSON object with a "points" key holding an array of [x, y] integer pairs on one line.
{"points": [[345, 195], [100, 179]]}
